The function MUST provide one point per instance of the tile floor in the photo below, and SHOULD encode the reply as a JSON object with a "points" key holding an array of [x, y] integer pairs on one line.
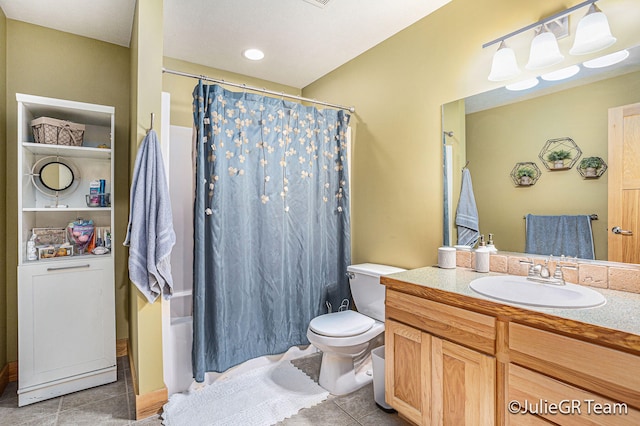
{"points": [[113, 405]]}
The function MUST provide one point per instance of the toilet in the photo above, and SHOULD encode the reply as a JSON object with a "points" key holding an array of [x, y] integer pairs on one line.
{"points": [[346, 338]]}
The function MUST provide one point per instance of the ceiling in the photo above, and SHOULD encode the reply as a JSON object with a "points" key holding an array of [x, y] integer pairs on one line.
{"points": [[302, 39]]}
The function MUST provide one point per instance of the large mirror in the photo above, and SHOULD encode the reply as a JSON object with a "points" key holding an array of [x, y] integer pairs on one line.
{"points": [[492, 132]]}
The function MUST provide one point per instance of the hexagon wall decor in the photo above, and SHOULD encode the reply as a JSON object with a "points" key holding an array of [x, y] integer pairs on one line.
{"points": [[560, 154]]}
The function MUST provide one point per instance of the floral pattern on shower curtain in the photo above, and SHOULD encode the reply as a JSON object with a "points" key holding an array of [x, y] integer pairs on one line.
{"points": [[271, 231]]}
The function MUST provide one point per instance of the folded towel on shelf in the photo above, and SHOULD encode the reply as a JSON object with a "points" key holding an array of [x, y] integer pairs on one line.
{"points": [[150, 234], [467, 221], [559, 235]]}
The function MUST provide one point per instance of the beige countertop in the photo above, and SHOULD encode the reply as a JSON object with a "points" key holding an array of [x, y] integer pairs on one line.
{"points": [[620, 313]]}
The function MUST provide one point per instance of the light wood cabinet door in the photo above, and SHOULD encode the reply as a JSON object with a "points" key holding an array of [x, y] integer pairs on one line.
{"points": [[463, 384], [408, 371], [432, 381]]}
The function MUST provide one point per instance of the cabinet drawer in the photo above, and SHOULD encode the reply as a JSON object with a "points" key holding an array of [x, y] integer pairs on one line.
{"points": [[470, 329], [532, 392], [605, 371]]}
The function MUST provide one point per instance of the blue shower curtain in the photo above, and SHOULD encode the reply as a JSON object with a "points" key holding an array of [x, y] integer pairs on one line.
{"points": [[272, 232]]}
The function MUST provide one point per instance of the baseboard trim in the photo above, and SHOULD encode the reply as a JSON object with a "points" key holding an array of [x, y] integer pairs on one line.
{"points": [[150, 403], [13, 371], [122, 347], [4, 378]]}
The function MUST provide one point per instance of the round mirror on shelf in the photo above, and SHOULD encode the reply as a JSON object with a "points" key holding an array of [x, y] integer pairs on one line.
{"points": [[55, 176]]}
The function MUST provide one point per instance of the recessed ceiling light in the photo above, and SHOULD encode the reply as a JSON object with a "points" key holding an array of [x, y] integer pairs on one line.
{"points": [[253, 54], [561, 74], [606, 60], [523, 85]]}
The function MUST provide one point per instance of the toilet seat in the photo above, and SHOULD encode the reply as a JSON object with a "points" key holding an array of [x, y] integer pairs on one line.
{"points": [[341, 324]]}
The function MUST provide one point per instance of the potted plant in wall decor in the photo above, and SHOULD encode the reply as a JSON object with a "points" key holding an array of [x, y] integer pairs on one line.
{"points": [[525, 175], [557, 158], [592, 167]]}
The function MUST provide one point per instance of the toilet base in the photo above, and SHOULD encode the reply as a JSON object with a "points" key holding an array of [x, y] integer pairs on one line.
{"points": [[339, 376]]}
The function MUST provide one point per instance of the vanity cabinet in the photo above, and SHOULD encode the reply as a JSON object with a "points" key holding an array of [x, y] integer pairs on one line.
{"points": [[434, 380], [585, 380], [66, 304], [452, 359]]}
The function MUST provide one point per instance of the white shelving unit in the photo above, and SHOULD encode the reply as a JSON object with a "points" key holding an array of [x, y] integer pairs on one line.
{"points": [[66, 305]]}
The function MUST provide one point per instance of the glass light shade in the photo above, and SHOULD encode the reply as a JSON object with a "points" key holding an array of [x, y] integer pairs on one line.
{"points": [[504, 65], [593, 33], [523, 85], [544, 51], [606, 60], [561, 74]]}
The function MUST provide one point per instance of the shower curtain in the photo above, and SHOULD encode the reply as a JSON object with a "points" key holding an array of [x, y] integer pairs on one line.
{"points": [[271, 224]]}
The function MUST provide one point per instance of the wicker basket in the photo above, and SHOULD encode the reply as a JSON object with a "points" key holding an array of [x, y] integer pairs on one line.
{"points": [[57, 132]]}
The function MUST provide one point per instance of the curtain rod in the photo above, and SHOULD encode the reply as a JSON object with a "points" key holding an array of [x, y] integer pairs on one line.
{"points": [[257, 89]]}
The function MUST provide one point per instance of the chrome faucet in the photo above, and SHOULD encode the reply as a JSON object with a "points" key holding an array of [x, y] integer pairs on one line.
{"points": [[540, 272]]}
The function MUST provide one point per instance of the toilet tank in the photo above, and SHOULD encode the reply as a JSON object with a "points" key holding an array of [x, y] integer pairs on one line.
{"points": [[367, 292]]}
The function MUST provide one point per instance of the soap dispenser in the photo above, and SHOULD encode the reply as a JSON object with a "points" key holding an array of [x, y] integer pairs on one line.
{"points": [[482, 255], [492, 248]]}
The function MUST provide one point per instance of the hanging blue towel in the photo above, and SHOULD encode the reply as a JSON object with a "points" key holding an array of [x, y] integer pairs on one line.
{"points": [[467, 213], [558, 235], [150, 234]]}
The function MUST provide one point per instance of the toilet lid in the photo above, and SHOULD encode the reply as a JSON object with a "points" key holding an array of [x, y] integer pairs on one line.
{"points": [[341, 324]]}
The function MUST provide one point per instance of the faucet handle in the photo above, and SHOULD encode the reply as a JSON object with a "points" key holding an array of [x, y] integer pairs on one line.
{"points": [[558, 274], [531, 264]]}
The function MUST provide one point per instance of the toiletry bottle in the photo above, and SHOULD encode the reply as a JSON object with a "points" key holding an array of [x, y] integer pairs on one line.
{"points": [[492, 248], [99, 238], [31, 248], [107, 239], [482, 255]]}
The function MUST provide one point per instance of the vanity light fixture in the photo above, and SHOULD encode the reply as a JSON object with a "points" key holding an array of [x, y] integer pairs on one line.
{"points": [[606, 60], [504, 65], [544, 50], [523, 85], [593, 33], [253, 54], [561, 74]]}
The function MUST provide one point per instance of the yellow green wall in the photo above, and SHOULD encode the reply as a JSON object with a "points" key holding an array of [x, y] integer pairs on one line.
{"points": [[146, 81], [398, 88], [50, 63], [499, 138], [3, 186]]}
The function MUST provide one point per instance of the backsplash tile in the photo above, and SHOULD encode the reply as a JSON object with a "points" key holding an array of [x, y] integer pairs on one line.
{"points": [[600, 274], [624, 279], [499, 263], [593, 275], [463, 259], [516, 267]]}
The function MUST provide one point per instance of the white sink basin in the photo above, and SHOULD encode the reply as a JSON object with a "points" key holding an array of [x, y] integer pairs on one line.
{"points": [[516, 289]]}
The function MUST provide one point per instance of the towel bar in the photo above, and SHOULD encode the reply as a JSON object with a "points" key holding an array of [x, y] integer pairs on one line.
{"points": [[591, 216]]}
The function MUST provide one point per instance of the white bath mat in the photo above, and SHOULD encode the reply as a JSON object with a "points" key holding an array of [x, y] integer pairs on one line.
{"points": [[262, 396]]}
